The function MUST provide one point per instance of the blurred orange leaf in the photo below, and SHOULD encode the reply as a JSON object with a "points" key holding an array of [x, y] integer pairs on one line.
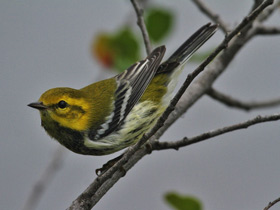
{"points": [[118, 50]]}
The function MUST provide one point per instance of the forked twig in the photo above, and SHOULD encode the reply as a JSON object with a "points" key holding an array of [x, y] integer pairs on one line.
{"points": [[140, 21]]}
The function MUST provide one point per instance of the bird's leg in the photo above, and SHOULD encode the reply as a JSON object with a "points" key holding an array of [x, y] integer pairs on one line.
{"points": [[108, 165]]}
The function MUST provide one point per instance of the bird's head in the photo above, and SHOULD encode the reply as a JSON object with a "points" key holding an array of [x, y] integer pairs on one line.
{"points": [[66, 106]]}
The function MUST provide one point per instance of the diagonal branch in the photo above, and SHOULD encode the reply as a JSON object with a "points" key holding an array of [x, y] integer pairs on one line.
{"points": [[104, 182], [246, 21], [140, 21], [233, 102], [202, 137], [202, 84], [272, 204], [212, 15]]}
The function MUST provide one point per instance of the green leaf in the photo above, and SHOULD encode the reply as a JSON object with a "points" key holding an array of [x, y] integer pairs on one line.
{"points": [[126, 48], [182, 202], [159, 23]]}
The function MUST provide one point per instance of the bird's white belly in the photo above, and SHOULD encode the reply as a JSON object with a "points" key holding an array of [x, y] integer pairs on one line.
{"points": [[141, 119]]}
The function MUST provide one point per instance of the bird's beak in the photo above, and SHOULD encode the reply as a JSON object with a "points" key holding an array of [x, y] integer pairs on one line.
{"points": [[38, 105]]}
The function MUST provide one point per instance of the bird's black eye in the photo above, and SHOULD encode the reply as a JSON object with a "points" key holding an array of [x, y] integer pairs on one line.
{"points": [[62, 104]]}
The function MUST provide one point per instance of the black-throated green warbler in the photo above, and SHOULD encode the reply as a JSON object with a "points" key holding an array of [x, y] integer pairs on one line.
{"points": [[112, 114]]}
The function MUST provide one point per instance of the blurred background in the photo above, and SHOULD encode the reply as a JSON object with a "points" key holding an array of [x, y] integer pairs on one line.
{"points": [[46, 44]]}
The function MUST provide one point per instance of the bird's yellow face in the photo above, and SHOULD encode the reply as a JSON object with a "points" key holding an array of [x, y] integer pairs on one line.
{"points": [[66, 106]]}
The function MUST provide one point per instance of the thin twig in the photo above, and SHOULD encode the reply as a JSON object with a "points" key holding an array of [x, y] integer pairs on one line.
{"points": [[212, 15], [188, 141], [233, 102], [270, 204], [267, 30], [104, 182], [140, 21]]}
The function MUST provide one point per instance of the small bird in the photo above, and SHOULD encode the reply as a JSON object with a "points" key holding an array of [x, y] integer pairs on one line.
{"points": [[112, 114]]}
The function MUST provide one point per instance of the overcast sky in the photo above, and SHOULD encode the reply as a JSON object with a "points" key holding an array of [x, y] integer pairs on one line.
{"points": [[45, 44]]}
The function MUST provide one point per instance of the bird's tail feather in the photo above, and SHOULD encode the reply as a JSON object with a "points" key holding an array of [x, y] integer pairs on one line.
{"points": [[188, 48]]}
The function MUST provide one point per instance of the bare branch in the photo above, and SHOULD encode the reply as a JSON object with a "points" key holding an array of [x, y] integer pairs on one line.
{"points": [[93, 193], [267, 30], [233, 102], [142, 26], [188, 141], [212, 15], [272, 204], [41, 185]]}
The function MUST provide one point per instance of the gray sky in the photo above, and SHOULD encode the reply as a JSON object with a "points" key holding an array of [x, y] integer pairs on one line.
{"points": [[45, 44]]}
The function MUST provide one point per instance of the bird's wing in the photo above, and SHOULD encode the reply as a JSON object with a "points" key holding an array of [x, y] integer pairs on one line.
{"points": [[131, 85]]}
